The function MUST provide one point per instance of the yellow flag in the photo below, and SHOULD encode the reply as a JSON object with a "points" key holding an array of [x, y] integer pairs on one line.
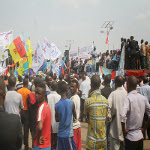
{"points": [[29, 53], [20, 70]]}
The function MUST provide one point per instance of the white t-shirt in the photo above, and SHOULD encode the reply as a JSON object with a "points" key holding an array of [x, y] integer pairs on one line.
{"points": [[13, 102], [85, 87], [76, 100], [88, 79], [53, 98]]}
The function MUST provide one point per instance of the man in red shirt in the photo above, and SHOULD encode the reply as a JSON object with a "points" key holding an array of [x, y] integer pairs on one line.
{"points": [[42, 139]]}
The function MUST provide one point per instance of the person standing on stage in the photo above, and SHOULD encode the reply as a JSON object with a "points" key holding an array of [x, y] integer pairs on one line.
{"points": [[132, 45], [94, 55]]}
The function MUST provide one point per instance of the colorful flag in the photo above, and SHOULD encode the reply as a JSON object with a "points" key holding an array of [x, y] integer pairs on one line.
{"points": [[23, 66], [17, 49], [43, 67], [121, 62], [29, 53], [107, 40], [103, 70]]}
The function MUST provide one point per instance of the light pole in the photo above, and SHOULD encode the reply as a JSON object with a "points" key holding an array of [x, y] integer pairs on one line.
{"points": [[108, 25], [69, 42]]}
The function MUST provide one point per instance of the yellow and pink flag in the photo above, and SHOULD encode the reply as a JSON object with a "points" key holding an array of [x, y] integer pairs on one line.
{"points": [[17, 49]]}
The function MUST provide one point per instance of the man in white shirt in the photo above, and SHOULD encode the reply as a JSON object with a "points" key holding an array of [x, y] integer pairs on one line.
{"points": [[13, 102], [76, 124], [53, 98], [132, 115], [84, 91], [115, 100]]}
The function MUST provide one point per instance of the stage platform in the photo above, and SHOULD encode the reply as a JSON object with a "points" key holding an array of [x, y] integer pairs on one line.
{"points": [[145, 71]]}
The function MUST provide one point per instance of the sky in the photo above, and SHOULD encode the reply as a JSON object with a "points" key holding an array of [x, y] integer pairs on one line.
{"points": [[76, 22]]}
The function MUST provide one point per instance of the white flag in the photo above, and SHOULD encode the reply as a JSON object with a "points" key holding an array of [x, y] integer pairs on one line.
{"points": [[5, 39], [3, 67], [54, 52], [46, 49], [4, 56], [56, 69], [38, 58]]}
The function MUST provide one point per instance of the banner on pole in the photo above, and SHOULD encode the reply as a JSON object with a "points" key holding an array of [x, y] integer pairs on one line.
{"points": [[5, 39], [84, 52], [73, 54], [46, 49], [54, 52], [38, 58]]}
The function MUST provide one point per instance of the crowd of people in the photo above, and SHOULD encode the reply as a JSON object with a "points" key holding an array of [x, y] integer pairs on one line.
{"points": [[136, 57], [51, 108]]}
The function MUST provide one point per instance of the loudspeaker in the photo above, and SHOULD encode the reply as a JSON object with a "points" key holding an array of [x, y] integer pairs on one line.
{"points": [[66, 54]]}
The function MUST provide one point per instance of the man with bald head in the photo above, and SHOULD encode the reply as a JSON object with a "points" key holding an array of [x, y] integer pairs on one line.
{"points": [[13, 102], [96, 110], [132, 115], [116, 99], [53, 98]]}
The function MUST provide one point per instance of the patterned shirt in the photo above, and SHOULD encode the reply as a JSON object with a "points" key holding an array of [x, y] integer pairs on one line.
{"points": [[97, 108]]}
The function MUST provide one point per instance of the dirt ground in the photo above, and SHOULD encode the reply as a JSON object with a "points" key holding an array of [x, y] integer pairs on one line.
{"points": [[83, 138]]}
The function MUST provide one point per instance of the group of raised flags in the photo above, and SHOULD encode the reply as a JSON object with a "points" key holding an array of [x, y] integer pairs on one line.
{"points": [[23, 54]]}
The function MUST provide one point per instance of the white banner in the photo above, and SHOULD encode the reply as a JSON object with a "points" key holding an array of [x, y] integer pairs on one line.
{"points": [[46, 49], [5, 39], [54, 52], [73, 54], [84, 52], [4, 56], [38, 58]]}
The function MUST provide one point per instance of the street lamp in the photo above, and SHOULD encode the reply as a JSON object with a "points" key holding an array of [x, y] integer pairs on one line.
{"points": [[108, 25]]}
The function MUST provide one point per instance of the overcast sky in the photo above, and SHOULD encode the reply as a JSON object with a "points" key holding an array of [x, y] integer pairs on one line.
{"points": [[77, 20]]}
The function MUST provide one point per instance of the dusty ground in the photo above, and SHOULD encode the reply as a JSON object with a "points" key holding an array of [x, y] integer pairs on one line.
{"points": [[83, 137]]}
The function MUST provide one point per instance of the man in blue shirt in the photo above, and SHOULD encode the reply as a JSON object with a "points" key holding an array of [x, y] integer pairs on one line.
{"points": [[65, 114], [145, 89]]}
